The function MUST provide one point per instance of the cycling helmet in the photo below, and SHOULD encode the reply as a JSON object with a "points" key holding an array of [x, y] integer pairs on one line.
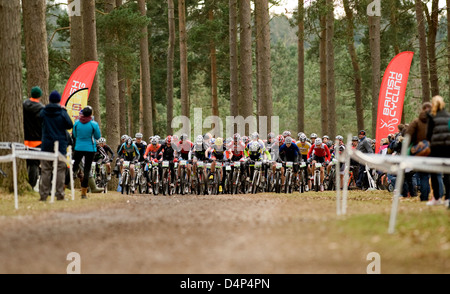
{"points": [[286, 134], [129, 141], [219, 142], [169, 140], [355, 138], [270, 135], [300, 134], [183, 137], [139, 135], [154, 141], [288, 140], [303, 138], [341, 148], [313, 135], [101, 140], [236, 137], [212, 141], [245, 139], [175, 138], [199, 139], [325, 137], [255, 135], [254, 146], [280, 139], [318, 142], [124, 137], [338, 137]]}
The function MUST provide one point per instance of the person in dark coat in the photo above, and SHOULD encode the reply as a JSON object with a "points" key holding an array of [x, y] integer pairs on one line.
{"points": [[438, 135], [417, 130], [32, 124], [365, 147], [56, 121]]}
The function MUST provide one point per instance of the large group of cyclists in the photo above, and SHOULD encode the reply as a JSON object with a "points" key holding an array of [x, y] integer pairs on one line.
{"points": [[211, 166]]}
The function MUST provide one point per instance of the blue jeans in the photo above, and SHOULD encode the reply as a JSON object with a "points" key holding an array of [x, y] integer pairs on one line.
{"points": [[437, 185], [423, 181]]}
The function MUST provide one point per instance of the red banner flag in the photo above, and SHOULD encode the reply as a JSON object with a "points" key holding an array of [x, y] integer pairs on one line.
{"points": [[392, 95], [81, 78]]}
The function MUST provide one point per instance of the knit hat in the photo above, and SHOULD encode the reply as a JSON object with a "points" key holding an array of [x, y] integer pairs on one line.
{"points": [[36, 92], [55, 97], [87, 111]]}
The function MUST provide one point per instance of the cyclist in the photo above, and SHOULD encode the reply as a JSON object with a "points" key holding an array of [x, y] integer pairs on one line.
{"points": [[326, 140], [255, 153], [184, 150], [304, 147], [129, 152], [168, 152], [102, 154], [313, 138], [289, 151], [275, 152], [199, 152], [246, 141], [141, 145], [288, 134], [151, 154], [319, 153], [217, 152]]}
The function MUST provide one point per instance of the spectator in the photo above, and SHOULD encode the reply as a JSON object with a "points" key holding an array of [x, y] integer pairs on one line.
{"points": [[55, 123], [438, 134], [417, 130], [365, 147], [86, 133], [32, 123]]}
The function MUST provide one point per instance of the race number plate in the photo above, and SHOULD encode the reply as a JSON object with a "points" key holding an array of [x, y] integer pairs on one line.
{"points": [[165, 163], [208, 165], [303, 164], [289, 164], [200, 164], [258, 163], [155, 163], [237, 164], [279, 165], [318, 164], [138, 165], [228, 167], [183, 162], [126, 164]]}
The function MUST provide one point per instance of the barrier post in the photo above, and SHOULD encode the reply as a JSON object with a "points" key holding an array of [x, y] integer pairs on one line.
{"points": [[55, 172], [72, 188], [347, 153], [14, 163], [398, 186]]}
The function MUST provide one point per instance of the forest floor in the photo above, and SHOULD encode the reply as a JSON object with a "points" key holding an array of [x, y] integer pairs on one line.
{"points": [[222, 234]]}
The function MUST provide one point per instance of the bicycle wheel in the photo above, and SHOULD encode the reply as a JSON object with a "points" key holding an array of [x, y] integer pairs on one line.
{"points": [[317, 181], [155, 183]]}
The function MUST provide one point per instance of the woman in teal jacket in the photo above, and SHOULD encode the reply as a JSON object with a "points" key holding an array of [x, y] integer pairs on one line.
{"points": [[86, 132]]}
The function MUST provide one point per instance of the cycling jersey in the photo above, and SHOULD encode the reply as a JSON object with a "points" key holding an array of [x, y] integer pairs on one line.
{"points": [[289, 153], [184, 148], [304, 147], [129, 153], [142, 146], [166, 152], [320, 151], [200, 151], [236, 150], [102, 153], [152, 151], [217, 152]]}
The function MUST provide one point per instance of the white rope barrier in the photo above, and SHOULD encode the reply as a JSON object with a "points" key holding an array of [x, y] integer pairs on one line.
{"points": [[391, 164], [23, 152]]}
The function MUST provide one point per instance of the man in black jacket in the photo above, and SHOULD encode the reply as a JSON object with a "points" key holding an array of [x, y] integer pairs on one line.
{"points": [[32, 124], [365, 147]]}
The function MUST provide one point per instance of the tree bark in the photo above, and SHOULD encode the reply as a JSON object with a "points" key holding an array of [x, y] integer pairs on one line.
{"points": [[301, 68], [111, 86], [246, 101], [90, 52], [170, 61], [130, 125], [331, 91], [212, 53], [234, 72], [11, 114], [424, 72], [448, 41], [147, 129], [355, 64], [323, 74], [374, 37], [35, 33], [76, 41], [433, 23], [185, 107]]}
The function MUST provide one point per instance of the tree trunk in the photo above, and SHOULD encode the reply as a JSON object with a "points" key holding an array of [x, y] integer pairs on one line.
{"points": [[260, 106], [11, 91], [122, 83], [234, 73], [111, 87], [214, 95], [323, 74], [424, 72], [185, 107], [448, 41], [374, 37], [301, 68], [90, 52], [356, 69], [130, 127], [146, 83], [264, 62], [76, 41], [35, 33], [246, 101], [433, 23], [331, 92], [170, 61]]}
